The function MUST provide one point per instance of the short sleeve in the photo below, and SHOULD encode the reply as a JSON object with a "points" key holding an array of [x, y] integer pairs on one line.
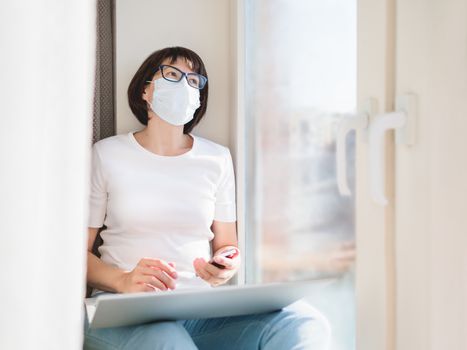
{"points": [[98, 191], [225, 207]]}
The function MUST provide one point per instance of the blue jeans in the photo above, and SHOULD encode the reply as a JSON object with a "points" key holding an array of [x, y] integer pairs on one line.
{"points": [[296, 327]]}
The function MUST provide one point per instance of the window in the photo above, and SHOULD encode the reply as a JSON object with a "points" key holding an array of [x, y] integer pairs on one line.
{"points": [[300, 82]]}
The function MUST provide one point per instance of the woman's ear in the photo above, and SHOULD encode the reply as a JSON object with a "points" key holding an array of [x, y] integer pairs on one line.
{"points": [[147, 91], [145, 94]]}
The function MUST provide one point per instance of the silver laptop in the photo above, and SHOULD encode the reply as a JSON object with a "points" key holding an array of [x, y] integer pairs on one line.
{"points": [[113, 310]]}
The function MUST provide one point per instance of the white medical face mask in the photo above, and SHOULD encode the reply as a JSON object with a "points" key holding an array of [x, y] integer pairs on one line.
{"points": [[175, 102]]}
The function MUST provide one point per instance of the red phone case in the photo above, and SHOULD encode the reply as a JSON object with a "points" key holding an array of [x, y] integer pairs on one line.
{"points": [[230, 256]]}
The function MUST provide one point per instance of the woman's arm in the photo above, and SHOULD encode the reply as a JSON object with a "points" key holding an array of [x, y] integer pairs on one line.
{"points": [[225, 237], [99, 274], [149, 274]]}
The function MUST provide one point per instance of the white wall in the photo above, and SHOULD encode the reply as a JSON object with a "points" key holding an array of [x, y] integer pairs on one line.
{"points": [[46, 87]]}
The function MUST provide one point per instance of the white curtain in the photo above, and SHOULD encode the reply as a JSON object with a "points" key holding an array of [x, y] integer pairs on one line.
{"points": [[47, 57]]}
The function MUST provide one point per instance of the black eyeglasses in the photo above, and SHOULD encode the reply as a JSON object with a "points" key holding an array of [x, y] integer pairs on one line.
{"points": [[174, 74]]}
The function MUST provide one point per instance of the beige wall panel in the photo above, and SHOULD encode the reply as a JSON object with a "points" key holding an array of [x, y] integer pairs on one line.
{"points": [[374, 231], [431, 177]]}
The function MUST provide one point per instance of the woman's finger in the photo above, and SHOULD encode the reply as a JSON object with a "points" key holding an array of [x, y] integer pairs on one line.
{"points": [[228, 263], [166, 279], [224, 275], [216, 272], [143, 287], [159, 263], [216, 281], [203, 274], [154, 281], [210, 278], [159, 274], [200, 266], [150, 280], [150, 288]]}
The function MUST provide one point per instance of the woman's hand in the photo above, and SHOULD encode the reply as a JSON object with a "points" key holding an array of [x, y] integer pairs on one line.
{"points": [[214, 275], [149, 275]]}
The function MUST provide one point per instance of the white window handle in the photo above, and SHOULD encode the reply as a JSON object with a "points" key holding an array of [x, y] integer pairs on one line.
{"points": [[348, 123], [403, 121]]}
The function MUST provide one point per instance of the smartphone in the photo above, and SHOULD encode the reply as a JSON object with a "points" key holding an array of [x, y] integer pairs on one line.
{"points": [[230, 253]]}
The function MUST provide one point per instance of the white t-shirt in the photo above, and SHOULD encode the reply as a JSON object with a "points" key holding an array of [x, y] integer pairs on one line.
{"points": [[159, 206]]}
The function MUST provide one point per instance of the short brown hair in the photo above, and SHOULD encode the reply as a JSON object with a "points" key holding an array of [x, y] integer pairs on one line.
{"points": [[147, 70]]}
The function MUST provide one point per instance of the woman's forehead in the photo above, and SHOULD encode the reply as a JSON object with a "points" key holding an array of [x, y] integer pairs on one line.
{"points": [[181, 62]]}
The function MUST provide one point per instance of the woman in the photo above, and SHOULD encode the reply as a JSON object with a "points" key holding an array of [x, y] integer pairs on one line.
{"points": [[167, 198]]}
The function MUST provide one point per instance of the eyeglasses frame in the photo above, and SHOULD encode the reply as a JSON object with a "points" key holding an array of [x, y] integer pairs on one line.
{"points": [[203, 78]]}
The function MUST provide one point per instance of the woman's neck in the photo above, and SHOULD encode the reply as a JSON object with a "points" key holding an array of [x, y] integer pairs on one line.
{"points": [[163, 138]]}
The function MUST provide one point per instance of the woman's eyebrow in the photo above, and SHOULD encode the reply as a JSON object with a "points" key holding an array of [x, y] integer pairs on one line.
{"points": [[190, 65]]}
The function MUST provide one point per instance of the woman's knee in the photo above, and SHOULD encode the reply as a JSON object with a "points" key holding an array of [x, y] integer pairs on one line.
{"points": [[151, 336], [161, 336], [300, 326]]}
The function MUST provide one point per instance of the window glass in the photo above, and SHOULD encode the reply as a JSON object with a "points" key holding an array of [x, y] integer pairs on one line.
{"points": [[300, 82]]}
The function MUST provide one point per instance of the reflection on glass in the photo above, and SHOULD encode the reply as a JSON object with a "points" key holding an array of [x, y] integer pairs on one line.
{"points": [[300, 82]]}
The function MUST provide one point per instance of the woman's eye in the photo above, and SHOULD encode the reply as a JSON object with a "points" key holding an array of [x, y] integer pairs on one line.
{"points": [[193, 82]]}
